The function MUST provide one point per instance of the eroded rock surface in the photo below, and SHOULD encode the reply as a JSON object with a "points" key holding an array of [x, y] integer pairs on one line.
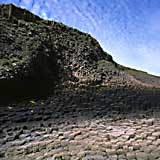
{"points": [[93, 107], [37, 54], [82, 125]]}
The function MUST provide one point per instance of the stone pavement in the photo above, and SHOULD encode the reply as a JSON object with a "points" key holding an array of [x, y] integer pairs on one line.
{"points": [[81, 127], [96, 139]]}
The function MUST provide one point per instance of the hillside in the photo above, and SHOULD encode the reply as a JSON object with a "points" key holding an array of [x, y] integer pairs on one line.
{"points": [[37, 52], [62, 94]]}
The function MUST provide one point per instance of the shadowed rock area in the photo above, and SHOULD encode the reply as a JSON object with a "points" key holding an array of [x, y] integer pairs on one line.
{"points": [[63, 97]]}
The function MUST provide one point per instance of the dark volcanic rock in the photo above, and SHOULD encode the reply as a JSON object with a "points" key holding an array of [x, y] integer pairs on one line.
{"points": [[90, 99], [36, 55], [27, 61]]}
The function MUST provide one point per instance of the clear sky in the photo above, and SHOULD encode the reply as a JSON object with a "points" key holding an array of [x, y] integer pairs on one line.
{"points": [[127, 29]]}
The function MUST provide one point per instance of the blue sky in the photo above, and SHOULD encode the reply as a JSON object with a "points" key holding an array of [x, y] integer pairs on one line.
{"points": [[127, 29]]}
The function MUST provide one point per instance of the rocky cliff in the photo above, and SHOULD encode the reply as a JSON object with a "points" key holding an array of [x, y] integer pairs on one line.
{"points": [[63, 97], [37, 55]]}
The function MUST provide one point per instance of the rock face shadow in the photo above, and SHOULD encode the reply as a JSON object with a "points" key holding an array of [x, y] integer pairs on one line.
{"points": [[75, 105]]}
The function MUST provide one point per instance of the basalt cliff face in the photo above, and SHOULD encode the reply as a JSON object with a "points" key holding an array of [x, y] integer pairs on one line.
{"points": [[38, 56], [63, 97]]}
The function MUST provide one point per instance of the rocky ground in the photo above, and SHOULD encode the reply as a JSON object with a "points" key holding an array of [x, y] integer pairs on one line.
{"points": [[62, 97], [80, 126]]}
